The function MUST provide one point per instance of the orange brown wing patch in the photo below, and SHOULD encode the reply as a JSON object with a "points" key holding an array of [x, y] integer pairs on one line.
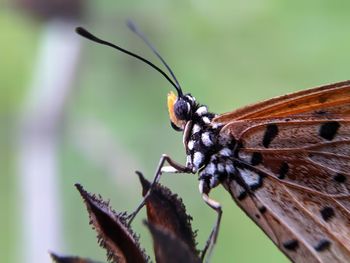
{"points": [[294, 157], [333, 99]]}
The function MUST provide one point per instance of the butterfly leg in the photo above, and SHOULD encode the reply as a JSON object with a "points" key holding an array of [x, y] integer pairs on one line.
{"points": [[204, 190], [173, 168]]}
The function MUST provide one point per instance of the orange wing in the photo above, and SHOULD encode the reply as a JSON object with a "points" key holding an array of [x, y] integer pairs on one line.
{"points": [[294, 157], [328, 98]]}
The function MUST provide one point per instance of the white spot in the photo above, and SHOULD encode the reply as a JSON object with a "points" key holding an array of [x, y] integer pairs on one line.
{"points": [[215, 125], [201, 186], [188, 160], [190, 98], [249, 177], [201, 110], [206, 120], [190, 145], [206, 139], [196, 128], [229, 168], [210, 169], [198, 159], [221, 167], [169, 169], [226, 152], [244, 156], [188, 107]]}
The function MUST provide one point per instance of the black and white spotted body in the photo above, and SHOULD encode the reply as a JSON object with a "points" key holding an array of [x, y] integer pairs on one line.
{"points": [[208, 152]]}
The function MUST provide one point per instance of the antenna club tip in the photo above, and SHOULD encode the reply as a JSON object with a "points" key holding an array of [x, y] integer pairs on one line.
{"points": [[84, 33], [79, 30], [131, 25]]}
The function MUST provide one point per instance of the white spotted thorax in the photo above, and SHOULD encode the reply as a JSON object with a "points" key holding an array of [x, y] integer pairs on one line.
{"points": [[208, 152]]}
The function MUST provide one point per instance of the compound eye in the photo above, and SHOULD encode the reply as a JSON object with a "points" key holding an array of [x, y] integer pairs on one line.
{"points": [[182, 109]]}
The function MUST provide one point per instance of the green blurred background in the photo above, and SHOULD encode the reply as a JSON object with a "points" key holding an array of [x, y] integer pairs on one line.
{"points": [[227, 54]]}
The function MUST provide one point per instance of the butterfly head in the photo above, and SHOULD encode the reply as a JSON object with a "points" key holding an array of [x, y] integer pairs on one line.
{"points": [[181, 109]]}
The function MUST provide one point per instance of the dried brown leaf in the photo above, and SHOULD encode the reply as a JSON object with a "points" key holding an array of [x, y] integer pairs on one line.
{"points": [[171, 249], [166, 210], [113, 233]]}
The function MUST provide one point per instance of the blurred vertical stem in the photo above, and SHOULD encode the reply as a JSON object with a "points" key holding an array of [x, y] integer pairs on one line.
{"points": [[42, 113]]}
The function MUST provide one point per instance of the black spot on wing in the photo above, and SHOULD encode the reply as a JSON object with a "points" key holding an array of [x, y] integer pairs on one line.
{"points": [[242, 195], [256, 158], [270, 133], [340, 178], [262, 209], [322, 245], [320, 112], [292, 244], [329, 130], [327, 213], [284, 168]]}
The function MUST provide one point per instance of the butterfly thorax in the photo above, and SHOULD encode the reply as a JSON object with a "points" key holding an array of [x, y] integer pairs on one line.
{"points": [[208, 151]]}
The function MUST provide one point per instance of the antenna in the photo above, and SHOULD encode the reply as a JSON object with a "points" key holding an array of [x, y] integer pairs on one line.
{"points": [[131, 25], [84, 33]]}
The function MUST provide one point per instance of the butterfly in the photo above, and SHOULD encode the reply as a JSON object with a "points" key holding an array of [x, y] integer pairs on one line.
{"points": [[285, 161]]}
